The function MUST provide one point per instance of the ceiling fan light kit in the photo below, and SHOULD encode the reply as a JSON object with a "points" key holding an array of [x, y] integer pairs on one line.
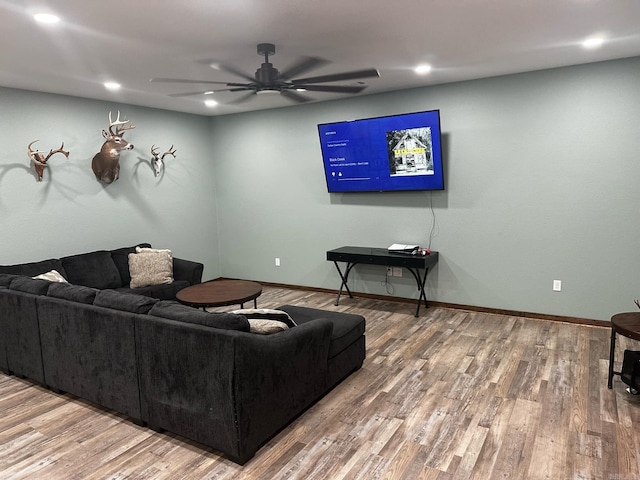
{"points": [[267, 79]]}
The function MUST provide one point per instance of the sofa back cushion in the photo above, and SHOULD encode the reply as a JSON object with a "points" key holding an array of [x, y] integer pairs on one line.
{"points": [[94, 269], [34, 268], [126, 302], [75, 293], [30, 285], [6, 279], [176, 311]]}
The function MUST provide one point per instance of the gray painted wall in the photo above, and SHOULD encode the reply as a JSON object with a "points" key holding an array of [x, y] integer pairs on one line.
{"points": [[71, 212], [541, 173], [542, 183]]}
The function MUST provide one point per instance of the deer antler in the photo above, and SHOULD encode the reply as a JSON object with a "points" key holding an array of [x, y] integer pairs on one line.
{"points": [[157, 156], [32, 153], [58, 150], [171, 151], [40, 161], [117, 123]]}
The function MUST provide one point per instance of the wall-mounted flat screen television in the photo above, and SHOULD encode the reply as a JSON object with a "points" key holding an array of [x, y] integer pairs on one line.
{"points": [[392, 153]]}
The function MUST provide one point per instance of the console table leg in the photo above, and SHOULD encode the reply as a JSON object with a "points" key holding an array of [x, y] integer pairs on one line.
{"points": [[612, 350], [344, 280], [420, 282]]}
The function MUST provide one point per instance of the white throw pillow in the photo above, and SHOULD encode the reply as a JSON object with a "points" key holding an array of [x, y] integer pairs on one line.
{"points": [[266, 314], [150, 266], [52, 276]]}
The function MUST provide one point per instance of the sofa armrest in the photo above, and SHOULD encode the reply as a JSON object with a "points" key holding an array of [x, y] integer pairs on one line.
{"points": [[187, 270], [276, 378]]}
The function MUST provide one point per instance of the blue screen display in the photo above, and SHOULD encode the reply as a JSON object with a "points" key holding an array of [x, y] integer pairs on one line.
{"points": [[393, 153]]}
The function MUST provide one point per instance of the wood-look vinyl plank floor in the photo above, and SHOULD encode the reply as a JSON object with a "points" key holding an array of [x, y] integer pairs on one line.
{"points": [[452, 394]]}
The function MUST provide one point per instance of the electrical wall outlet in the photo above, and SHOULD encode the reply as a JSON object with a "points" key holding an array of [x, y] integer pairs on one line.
{"points": [[277, 261], [397, 271], [557, 285], [389, 271]]}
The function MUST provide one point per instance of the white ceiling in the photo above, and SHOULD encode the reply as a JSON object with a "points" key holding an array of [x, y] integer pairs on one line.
{"points": [[133, 41]]}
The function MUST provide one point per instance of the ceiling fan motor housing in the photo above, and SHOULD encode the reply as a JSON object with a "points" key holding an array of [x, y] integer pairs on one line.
{"points": [[267, 74]]}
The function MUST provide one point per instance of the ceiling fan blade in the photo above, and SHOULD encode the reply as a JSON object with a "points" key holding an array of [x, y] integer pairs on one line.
{"points": [[232, 70], [243, 85], [187, 94], [203, 92], [295, 96], [370, 72], [303, 65], [334, 88], [241, 99], [182, 80]]}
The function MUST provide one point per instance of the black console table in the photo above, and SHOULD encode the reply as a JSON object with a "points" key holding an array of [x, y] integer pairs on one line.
{"points": [[381, 256]]}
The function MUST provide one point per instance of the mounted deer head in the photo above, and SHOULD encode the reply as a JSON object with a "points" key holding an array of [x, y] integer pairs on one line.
{"points": [[40, 161], [157, 162], [106, 163]]}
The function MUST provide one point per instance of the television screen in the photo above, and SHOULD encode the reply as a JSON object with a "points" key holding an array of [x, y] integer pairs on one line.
{"points": [[392, 153]]}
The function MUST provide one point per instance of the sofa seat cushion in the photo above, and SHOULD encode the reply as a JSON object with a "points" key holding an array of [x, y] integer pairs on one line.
{"points": [[75, 293], [35, 268], [176, 311], [34, 286], [120, 257], [94, 269], [165, 291], [126, 302], [347, 327]]}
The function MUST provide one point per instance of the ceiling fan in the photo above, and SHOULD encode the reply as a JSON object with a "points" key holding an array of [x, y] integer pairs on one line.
{"points": [[268, 79]]}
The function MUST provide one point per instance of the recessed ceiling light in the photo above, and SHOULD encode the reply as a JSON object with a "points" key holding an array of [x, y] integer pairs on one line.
{"points": [[593, 42], [42, 17], [423, 69], [112, 86], [210, 103]]}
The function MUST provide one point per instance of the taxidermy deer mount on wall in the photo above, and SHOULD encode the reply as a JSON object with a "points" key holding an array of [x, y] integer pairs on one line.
{"points": [[40, 161], [106, 163], [157, 162]]}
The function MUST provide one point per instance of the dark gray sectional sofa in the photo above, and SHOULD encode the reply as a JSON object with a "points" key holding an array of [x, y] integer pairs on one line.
{"points": [[110, 269], [201, 375]]}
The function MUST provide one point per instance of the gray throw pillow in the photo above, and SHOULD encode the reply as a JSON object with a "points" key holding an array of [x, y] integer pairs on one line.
{"points": [[150, 267], [266, 327]]}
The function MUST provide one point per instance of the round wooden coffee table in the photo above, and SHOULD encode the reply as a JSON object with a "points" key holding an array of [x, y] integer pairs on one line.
{"points": [[628, 325], [217, 293]]}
